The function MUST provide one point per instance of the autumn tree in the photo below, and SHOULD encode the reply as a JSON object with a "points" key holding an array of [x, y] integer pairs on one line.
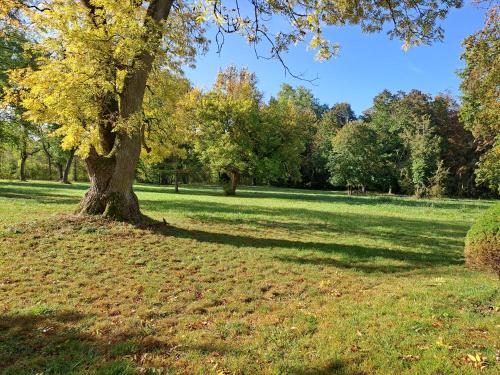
{"points": [[96, 57]]}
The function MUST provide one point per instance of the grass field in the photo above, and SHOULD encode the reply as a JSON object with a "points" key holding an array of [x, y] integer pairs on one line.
{"points": [[273, 281]]}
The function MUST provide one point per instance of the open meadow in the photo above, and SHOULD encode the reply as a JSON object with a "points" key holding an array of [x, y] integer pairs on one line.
{"points": [[273, 281]]}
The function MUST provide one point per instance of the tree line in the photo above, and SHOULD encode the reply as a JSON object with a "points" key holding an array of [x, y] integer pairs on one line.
{"points": [[406, 142]]}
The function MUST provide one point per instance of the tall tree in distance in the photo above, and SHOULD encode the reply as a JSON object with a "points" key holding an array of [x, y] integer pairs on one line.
{"points": [[355, 159], [96, 57], [480, 87], [226, 126]]}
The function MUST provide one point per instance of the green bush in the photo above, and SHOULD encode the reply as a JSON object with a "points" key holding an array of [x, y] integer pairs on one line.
{"points": [[482, 244]]}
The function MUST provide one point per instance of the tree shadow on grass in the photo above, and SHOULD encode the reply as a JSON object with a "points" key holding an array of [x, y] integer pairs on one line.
{"points": [[355, 254], [30, 343], [321, 196], [410, 233], [53, 343], [336, 367], [39, 197], [45, 185]]}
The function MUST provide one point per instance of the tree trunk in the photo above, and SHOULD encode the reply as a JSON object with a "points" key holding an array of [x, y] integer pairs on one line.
{"points": [[75, 169], [22, 171], [49, 159], [65, 177], [235, 179], [112, 173], [176, 181], [111, 179], [60, 170]]}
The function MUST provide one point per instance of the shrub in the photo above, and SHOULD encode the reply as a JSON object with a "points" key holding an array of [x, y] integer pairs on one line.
{"points": [[482, 244]]}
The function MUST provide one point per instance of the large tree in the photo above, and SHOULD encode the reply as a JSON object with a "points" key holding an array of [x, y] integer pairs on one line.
{"points": [[97, 55], [480, 87]]}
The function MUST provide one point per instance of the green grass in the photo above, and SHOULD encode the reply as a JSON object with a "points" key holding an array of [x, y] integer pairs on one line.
{"points": [[273, 281]]}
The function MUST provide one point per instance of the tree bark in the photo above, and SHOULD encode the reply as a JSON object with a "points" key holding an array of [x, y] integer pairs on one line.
{"points": [[112, 173], [176, 181], [235, 179], [65, 176], [49, 158], [22, 169]]}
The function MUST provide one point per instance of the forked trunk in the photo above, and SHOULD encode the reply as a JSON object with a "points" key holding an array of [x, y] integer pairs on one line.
{"points": [[112, 173], [111, 179]]}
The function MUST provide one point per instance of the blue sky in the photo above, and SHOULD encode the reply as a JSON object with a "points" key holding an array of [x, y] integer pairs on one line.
{"points": [[367, 64]]}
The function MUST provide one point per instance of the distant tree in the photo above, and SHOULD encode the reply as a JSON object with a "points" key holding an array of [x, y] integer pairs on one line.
{"points": [[226, 125], [341, 114], [330, 122], [308, 111], [458, 151], [480, 87], [168, 130], [385, 117], [355, 160], [280, 143], [424, 147]]}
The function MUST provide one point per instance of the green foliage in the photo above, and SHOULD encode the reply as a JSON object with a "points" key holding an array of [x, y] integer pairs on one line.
{"points": [[438, 181], [236, 135], [480, 110], [424, 148], [482, 244], [355, 158]]}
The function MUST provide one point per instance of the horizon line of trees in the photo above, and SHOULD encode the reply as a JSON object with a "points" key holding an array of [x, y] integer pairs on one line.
{"points": [[406, 143]]}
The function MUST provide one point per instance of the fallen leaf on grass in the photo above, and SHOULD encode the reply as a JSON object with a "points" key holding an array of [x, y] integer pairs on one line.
{"points": [[477, 360]]}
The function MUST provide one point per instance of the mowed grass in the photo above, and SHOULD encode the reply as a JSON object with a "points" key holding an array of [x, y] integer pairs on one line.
{"points": [[272, 281]]}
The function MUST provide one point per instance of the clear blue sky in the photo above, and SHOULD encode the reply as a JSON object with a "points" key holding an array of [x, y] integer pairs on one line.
{"points": [[367, 64]]}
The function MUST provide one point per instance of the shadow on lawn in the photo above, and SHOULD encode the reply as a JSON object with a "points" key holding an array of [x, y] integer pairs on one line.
{"points": [[409, 233], [356, 255], [54, 344], [318, 196]]}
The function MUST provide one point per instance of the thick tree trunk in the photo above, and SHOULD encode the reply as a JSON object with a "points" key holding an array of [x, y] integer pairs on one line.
{"points": [[111, 180], [65, 177], [22, 169], [112, 173]]}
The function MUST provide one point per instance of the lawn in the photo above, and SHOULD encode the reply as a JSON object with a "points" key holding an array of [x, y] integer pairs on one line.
{"points": [[272, 281]]}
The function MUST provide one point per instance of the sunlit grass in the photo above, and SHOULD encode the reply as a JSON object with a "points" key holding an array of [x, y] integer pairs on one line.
{"points": [[270, 281]]}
